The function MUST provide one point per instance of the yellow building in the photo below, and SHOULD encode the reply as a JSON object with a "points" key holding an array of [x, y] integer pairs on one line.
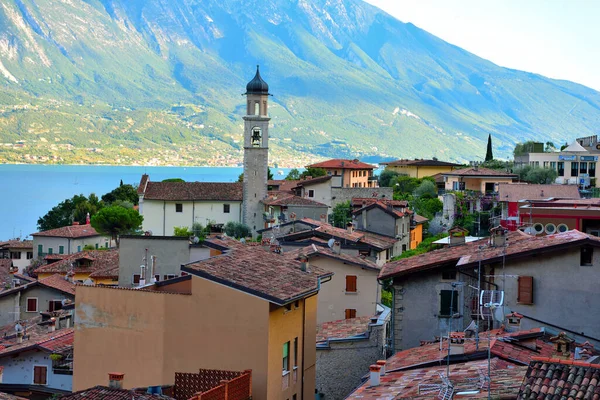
{"points": [[248, 308], [354, 173], [419, 168], [477, 179], [99, 266]]}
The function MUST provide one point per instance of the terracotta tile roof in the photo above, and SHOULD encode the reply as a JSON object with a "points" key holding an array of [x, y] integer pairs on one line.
{"points": [[52, 342], [419, 219], [107, 273], [106, 393], [24, 278], [343, 328], [5, 265], [58, 282], [17, 244], [359, 202], [71, 231], [378, 241], [55, 257], [341, 163], [99, 260], [6, 396], [514, 192], [312, 181], [555, 379], [257, 271], [193, 191], [332, 230], [288, 199], [479, 172], [505, 382], [419, 163], [314, 251], [386, 207], [519, 244], [282, 184]]}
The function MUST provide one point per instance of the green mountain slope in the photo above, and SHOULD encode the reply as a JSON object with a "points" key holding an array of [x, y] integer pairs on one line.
{"points": [[159, 81]]}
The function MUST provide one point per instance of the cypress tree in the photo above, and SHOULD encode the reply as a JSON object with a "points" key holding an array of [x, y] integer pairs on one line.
{"points": [[489, 155]]}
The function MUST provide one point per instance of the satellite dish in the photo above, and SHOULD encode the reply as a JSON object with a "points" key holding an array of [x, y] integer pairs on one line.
{"points": [[18, 327], [243, 240], [330, 243], [195, 239], [490, 301]]}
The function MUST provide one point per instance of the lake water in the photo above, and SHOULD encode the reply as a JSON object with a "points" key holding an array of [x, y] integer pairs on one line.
{"points": [[30, 191]]}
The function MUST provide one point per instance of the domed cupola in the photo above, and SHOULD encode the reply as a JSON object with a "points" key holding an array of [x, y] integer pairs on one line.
{"points": [[257, 85]]}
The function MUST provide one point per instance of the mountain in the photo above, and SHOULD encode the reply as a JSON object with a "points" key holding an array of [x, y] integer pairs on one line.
{"points": [[159, 81]]}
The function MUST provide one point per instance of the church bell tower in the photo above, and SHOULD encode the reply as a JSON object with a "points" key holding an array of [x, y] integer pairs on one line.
{"points": [[256, 151]]}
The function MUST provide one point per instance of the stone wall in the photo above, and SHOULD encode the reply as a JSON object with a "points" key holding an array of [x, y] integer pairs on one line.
{"points": [[340, 195]]}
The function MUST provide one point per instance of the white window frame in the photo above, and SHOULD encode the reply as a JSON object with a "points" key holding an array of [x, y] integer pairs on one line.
{"points": [[37, 304], [33, 375]]}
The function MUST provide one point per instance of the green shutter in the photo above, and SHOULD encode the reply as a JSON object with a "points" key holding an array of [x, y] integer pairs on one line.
{"points": [[78, 249], [49, 250], [286, 349], [40, 249], [61, 249]]}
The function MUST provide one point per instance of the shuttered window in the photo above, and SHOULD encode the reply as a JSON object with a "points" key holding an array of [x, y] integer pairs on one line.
{"points": [[32, 304], [351, 283], [350, 313], [39, 375], [525, 295], [448, 299], [136, 279]]}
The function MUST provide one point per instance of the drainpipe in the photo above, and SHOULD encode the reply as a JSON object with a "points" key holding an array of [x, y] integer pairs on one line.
{"points": [[164, 216]]}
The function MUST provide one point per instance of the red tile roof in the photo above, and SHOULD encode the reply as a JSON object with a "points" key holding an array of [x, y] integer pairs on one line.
{"points": [[100, 260], [419, 219], [288, 199], [513, 192], [343, 328], [71, 231], [478, 172], [341, 163], [193, 191], [519, 244], [555, 379], [386, 207], [282, 184], [505, 382], [106, 393], [312, 181], [58, 282], [256, 271], [419, 163], [315, 251], [359, 202], [5, 265], [6, 396], [17, 244], [52, 342]]}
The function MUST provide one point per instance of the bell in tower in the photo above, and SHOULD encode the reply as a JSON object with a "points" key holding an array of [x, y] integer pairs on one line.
{"points": [[256, 152]]}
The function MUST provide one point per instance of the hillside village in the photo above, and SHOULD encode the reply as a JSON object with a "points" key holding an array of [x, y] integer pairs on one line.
{"points": [[337, 288]]}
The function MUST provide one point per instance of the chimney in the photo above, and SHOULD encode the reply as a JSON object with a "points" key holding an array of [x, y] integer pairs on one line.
{"points": [[337, 247], [323, 218], [303, 262], [350, 227], [75, 223], [499, 236], [381, 364], [457, 236], [19, 336], [115, 380], [52, 325], [562, 345], [457, 343], [514, 320], [87, 219], [153, 268], [142, 275], [375, 377]]}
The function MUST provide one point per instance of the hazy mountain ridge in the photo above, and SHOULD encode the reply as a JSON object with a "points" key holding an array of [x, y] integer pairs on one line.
{"points": [[348, 79]]}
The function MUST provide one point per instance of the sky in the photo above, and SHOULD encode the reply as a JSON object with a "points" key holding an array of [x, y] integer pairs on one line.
{"points": [[555, 38]]}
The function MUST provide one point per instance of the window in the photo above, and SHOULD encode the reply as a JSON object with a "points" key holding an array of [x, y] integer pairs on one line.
{"points": [[448, 299], [168, 276], [553, 165], [350, 313], [61, 249], [32, 304], [15, 255], [136, 279], [587, 253], [583, 168], [350, 283], [297, 304], [561, 168], [78, 249], [592, 170], [96, 245], [157, 278], [50, 250], [39, 375], [288, 307], [525, 293], [403, 248], [286, 357], [54, 305], [40, 249], [178, 207], [295, 353], [29, 255], [226, 208], [545, 164], [311, 193], [574, 167], [256, 138], [449, 274], [184, 273]]}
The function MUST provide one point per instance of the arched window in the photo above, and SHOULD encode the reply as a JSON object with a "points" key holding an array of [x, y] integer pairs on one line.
{"points": [[256, 137], [257, 108]]}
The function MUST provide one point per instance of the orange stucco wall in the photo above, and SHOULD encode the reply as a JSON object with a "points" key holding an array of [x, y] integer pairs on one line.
{"points": [[416, 236], [149, 336]]}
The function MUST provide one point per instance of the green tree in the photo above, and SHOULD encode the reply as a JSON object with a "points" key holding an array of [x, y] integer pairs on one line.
{"points": [[114, 221], [313, 172], [427, 206], [237, 230], [489, 154], [426, 187], [550, 147], [541, 175], [404, 185], [341, 215], [173, 180], [182, 231], [293, 175], [386, 177], [122, 192], [68, 211]]}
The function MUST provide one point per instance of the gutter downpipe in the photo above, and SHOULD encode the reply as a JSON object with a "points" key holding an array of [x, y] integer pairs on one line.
{"points": [[164, 217]]}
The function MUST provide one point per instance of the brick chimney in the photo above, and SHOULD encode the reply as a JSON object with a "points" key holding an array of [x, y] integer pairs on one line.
{"points": [[457, 343], [562, 345], [375, 377], [323, 218], [498, 236], [381, 364], [115, 380]]}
